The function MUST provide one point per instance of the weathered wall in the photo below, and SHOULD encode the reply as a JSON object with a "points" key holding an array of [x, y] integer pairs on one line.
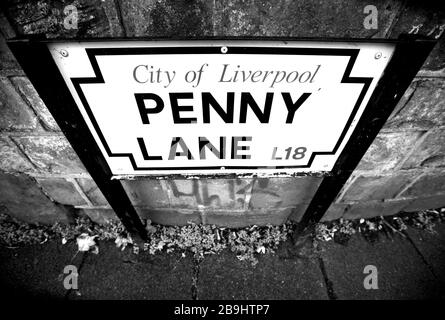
{"points": [[42, 179]]}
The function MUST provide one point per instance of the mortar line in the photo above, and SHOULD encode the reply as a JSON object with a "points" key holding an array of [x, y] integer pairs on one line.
{"points": [[343, 192], [417, 144], [394, 21], [80, 190], [213, 19], [120, 17], [248, 195], [23, 153], [410, 184], [411, 94], [27, 102]]}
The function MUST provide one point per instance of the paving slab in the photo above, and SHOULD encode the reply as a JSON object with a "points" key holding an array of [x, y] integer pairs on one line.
{"points": [[35, 271], [401, 271], [432, 247], [116, 274], [223, 276]]}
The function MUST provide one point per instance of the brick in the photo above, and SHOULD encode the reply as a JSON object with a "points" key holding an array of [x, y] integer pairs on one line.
{"points": [[432, 183], [340, 18], [433, 202], [171, 217], [374, 209], [27, 90], [166, 18], [47, 17], [61, 191], [21, 197], [431, 153], [15, 114], [425, 109], [239, 219], [51, 154], [92, 191], [283, 192], [429, 18], [366, 188], [387, 150], [148, 193], [224, 277], [100, 215], [10, 158]]}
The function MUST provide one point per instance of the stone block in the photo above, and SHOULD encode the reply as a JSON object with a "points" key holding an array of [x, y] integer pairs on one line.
{"points": [[61, 191], [92, 191], [432, 202], [171, 217], [49, 18], [432, 183], [51, 153], [335, 211], [210, 193], [425, 108], [339, 18], [283, 192], [15, 113], [387, 150], [431, 153], [365, 188], [225, 193], [239, 218], [148, 193], [374, 209], [100, 215], [10, 158], [167, 18], [27, 90], [298, 212], [423, 18], [21, 198]]}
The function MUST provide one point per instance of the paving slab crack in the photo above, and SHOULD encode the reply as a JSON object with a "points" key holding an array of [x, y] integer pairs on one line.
{"points": [[428, 265], [328, 283], [195, 278]]}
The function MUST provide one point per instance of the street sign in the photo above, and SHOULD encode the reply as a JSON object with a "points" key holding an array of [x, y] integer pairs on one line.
{"points": [[221, 107]]}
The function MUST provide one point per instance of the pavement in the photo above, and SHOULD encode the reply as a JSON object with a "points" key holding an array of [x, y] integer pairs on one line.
{"points": [[411, 267]]}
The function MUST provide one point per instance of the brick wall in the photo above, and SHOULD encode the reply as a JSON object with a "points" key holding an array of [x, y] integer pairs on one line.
{"points": [[41, 178]]}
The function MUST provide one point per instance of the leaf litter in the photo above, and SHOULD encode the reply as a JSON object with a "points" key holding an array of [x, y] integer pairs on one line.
{"points": [[199, 240]]}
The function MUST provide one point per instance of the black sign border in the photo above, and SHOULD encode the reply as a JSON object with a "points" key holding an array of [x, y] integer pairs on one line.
{"points": [[92, 53]]}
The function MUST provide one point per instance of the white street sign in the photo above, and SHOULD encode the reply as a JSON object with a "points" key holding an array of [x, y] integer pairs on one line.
{"points": [[219, 107]]}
